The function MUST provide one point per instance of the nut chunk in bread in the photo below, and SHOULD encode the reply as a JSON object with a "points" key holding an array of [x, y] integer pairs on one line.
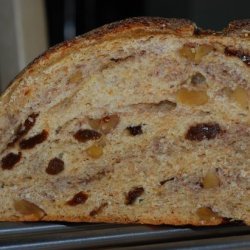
{"points": [[141, 121]]}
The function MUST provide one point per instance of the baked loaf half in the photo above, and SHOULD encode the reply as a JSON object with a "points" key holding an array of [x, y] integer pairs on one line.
{"points": [[141, 121]]}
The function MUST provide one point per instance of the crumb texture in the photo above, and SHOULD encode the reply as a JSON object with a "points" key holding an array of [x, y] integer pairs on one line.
{"points": [[141, 121]]}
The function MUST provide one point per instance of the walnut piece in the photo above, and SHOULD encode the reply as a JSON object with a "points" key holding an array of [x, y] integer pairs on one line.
{"points": [[106, 124], [207, 214], [195, 53], [211, 180], [95, 151], [191, 97], [241, 97], [28, 208]]}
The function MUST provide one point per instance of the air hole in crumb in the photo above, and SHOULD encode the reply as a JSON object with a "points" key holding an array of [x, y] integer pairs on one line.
{"points": [[133, 194], [198, 78], [244, 57], [135, 130]]}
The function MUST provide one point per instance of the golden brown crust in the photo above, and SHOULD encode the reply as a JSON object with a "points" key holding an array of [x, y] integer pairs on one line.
{"points": [[180, 27], [146, 25], [174, 220], [118, 220], [238, 28]]}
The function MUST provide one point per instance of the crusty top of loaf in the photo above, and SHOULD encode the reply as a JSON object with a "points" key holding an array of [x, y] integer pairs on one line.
{"points": [[134, 27]]}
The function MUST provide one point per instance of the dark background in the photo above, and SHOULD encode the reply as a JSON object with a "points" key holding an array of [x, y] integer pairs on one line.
{"points": [[67, 18]]}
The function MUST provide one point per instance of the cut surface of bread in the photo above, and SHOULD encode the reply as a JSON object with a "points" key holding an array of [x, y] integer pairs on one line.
{"points": [[141, 121]]}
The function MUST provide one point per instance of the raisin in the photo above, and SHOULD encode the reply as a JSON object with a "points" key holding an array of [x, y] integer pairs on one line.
{"points": [[24, 128], [198, 78], [10, 160], [133, 194], [99, 209], [135, 130], [34, 140], [203, 131], [240, 54], [84, 135], [78, 198], [55, 166]]}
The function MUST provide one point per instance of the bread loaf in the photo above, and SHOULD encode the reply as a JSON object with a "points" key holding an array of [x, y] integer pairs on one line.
{"points": [[141, 121]]}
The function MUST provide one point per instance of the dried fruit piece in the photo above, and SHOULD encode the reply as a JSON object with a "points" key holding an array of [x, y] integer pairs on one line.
{"points": [[195, 53], [29, 123], [201, 51], [203, 131], [10, 160], [84, 135], [34, 140], [133, 194], [95, 123], [24, 128], [211, 180], [95, 151], [99, 209], [55, 166], [240, 96], [105, 124], [135, 130], [28, 208], [187, 51], [244, 57], [75, 77], [109, 123], [198, 78], [79, 198], [191, 97], [207, 214]]}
